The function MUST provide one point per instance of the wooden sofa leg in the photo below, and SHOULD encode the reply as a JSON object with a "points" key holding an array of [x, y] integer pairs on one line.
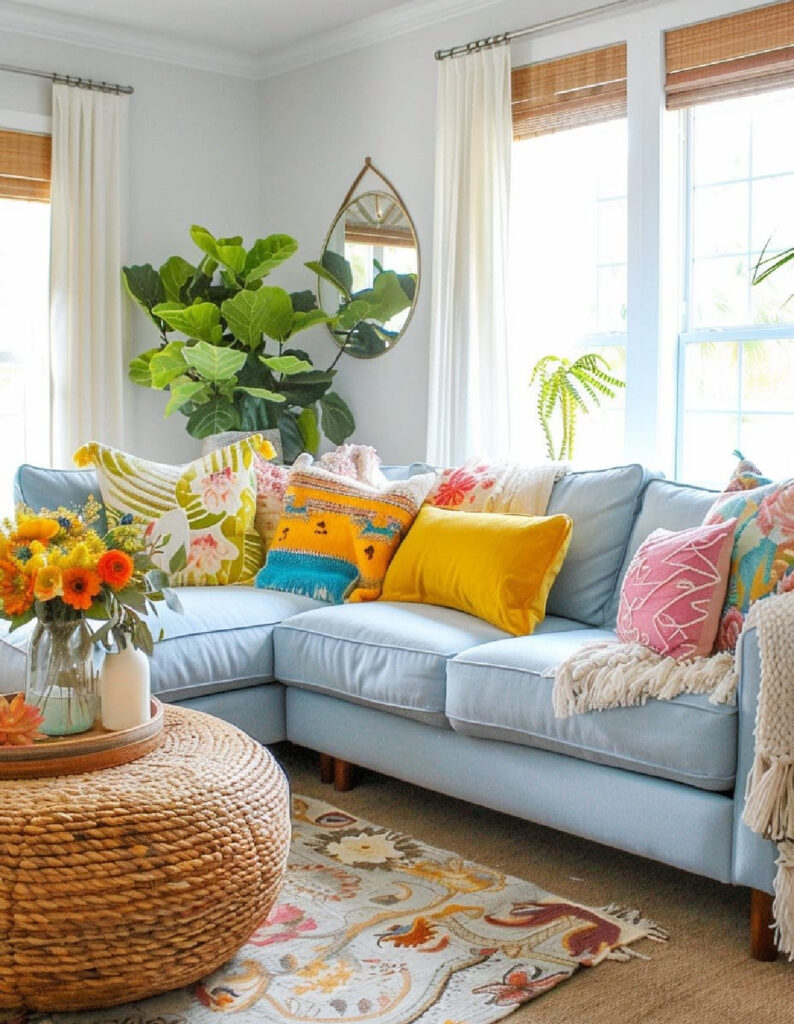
{"points": [[326, 768], [344, 775], [762, 935]]}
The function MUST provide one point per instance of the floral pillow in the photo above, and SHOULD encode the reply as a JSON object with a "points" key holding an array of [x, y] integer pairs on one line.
{"points": [[508, 487], [762, 561], [200, 516]]}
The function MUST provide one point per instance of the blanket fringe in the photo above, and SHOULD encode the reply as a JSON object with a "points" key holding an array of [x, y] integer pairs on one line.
{"points": [[783, 906], [607, 674], [769, 798], [630, 915]]}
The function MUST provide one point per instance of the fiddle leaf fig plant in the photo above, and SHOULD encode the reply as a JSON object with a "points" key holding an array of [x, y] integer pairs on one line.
{"points": [[226, 353]]}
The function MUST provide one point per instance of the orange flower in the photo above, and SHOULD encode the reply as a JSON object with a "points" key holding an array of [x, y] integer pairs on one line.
{"points": [[115, 568], [40, 528], [16, 588], [80, 587], [19, 722]]}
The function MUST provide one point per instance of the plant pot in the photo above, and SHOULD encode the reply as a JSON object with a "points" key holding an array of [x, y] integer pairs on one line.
{"points": [[125, 689], [60, 678]]}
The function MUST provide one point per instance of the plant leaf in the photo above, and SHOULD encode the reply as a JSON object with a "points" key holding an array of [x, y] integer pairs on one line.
{"points": [[140, 371], [309, 429], [174, 274], [287, 365], [326, 275], [213, 417], [227, 251], [266, 254], [247, 316], [185, 390], [144, 285], [302, 321], [263, 393], [168, 364], [291, 437], [336, 418], [201, 321], [213, 363]]}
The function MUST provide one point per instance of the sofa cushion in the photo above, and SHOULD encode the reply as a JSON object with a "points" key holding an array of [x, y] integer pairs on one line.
{"points": [[496, 691], [385, 654], [222, 640], [667, 505], [602, 504]]}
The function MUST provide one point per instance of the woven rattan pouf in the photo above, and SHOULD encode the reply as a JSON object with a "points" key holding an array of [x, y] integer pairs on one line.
{"points": [[119, 884]]}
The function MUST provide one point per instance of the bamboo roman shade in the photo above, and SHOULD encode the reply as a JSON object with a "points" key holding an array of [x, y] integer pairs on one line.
{"points": [[568, 92], [744, 53], [25, 166]]}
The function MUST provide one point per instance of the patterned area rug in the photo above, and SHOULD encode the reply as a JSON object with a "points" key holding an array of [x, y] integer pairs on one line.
{"points": [[373, 925]]}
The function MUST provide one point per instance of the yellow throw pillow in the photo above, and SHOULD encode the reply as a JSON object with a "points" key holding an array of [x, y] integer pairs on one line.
{"points": [[497, 567], [201, 515]]}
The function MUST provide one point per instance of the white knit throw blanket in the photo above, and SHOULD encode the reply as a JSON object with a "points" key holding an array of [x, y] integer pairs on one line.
{"points": [[610, 674], [769, 803]]}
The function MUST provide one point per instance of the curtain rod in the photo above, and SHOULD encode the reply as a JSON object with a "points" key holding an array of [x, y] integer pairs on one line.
{"points": [[80, 83], [490, 41]]}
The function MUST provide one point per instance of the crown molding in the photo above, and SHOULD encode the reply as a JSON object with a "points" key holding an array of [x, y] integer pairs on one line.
{"points": [[365, 32], [102, 35], [27, 19]]}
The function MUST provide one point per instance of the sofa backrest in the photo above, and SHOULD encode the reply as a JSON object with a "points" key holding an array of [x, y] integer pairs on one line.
{"points": [[663, 504], [52, 488], [603, 504]]}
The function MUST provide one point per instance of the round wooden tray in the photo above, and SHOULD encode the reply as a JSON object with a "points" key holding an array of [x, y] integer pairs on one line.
{"points": [[85, 752]]}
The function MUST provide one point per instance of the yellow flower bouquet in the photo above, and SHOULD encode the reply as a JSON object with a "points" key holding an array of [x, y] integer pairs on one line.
{"points": [[59, 571]]}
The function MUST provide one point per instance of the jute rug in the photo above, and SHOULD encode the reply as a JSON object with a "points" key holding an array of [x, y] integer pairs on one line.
{"points": [[374, 925]]}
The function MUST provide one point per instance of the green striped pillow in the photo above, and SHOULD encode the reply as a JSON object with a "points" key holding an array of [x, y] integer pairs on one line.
{"points": [[207, 506]]}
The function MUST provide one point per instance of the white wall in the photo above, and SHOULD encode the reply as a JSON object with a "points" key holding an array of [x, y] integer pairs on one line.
{"points": [[255, 158], [195, 157], [320, 122]]}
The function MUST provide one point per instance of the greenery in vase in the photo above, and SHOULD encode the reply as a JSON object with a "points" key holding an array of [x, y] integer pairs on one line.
{"points": [[565, 387], [237, 367]]}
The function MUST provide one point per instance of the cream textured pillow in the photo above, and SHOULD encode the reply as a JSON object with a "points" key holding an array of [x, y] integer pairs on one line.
{"points": [[201, 515]]}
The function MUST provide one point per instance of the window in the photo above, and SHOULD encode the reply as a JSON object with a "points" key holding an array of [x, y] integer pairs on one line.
{"points": [[568, 256], [736, 342], [24, 301]]}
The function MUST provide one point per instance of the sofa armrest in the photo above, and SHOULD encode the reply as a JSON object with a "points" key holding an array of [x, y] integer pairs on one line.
{"points": [[753, 856]]}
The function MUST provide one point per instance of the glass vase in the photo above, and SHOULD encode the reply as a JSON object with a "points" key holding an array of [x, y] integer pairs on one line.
{"points": [[60, 678]]}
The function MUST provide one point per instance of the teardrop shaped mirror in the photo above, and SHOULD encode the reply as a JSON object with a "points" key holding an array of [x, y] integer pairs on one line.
{"points": [[369, 270]]}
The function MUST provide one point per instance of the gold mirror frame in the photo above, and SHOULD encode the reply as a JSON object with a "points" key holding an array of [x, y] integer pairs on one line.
{"points": [[370, 330]]}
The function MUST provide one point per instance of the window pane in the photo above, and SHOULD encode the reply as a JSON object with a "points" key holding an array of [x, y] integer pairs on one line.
{"points": [[767, 440], [720, 292], [773, 144], [711, 378], [716, 228], [24, 370], [767, 373], [722, 133], [707, 456], [568, 265]]}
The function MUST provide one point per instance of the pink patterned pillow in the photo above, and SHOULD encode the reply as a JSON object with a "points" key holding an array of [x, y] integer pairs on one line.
{"points": [[674, 588]]}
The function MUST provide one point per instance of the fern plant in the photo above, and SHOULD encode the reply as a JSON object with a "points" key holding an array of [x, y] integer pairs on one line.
{"points": [[567, 386]]}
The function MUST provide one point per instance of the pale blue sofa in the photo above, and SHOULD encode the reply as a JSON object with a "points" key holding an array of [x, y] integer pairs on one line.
{"points": [[447, 701]]}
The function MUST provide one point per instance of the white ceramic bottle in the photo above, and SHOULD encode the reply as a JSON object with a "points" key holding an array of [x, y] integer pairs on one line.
{"points": [[124, 689]]}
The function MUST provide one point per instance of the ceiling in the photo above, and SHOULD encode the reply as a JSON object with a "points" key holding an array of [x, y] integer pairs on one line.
{"points": [[251, 38]]}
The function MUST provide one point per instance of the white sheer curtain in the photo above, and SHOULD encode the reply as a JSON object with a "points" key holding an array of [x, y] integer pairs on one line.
{"points": [[469, 404], [88, 193]]}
